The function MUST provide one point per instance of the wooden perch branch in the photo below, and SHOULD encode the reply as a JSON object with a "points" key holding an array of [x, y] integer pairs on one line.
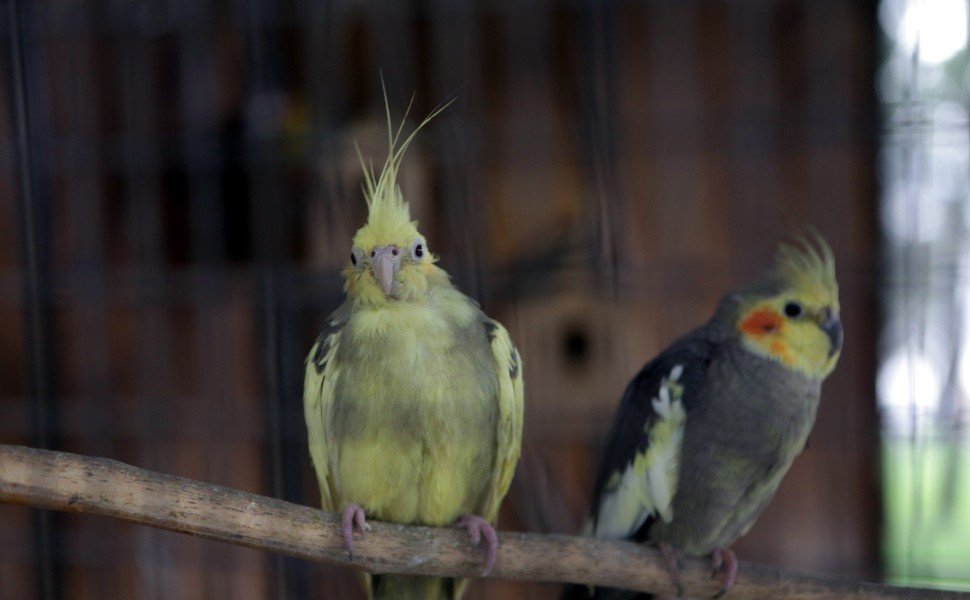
{"points": [[74, 483]]}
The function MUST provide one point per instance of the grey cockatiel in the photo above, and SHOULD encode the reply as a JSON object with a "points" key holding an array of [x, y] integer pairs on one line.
{"points": [[707, 429]]}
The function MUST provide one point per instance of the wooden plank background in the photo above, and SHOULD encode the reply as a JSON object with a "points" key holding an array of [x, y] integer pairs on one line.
{"points": [[605, 173]]}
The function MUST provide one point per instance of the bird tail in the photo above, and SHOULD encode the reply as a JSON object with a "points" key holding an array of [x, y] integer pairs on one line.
{"points": [[576, 591], [414, 587]]}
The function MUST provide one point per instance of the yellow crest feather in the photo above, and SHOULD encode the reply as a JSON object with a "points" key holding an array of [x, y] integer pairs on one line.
{"points": [[388, 215], [809, 268]]}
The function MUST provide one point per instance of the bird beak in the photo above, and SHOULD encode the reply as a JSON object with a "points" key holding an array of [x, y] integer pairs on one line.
{"points": [[385, 262], [832, 326]]}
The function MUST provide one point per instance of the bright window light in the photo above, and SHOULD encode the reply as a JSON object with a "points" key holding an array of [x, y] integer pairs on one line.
{"points": [[907, 382], [938, 28]]}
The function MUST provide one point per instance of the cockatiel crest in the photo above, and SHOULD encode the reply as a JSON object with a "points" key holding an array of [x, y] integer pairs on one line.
{"points": [[808, 270], [390, 259]]}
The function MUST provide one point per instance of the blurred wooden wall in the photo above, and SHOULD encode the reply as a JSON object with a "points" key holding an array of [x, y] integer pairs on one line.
{"points": [[606, 172]]}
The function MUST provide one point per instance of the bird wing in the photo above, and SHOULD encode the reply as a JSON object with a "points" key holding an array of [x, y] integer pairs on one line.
{"points": [[319, 389], [510, 414], [640, 471]]}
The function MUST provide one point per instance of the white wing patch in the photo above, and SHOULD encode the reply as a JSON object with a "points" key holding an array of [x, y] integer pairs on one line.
{"points": [[648, 484], [662, 461]]}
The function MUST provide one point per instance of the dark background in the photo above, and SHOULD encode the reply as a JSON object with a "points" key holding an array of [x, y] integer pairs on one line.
{"points": [[178, 191]]}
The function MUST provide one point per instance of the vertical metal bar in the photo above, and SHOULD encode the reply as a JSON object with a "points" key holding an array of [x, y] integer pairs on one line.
{"points": [[270, 243], [199, 163], [672, 132], [454, 41], [143, 170], [600, 132], [34, 250], [753, 133], [87, 416]]}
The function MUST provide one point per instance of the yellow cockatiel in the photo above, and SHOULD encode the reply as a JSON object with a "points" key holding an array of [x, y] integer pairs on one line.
{"points": [[412, 395]]}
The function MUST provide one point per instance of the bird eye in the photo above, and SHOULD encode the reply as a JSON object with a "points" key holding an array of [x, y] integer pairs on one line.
{"points": [[418, 250], [354, 258], [793, 310]]}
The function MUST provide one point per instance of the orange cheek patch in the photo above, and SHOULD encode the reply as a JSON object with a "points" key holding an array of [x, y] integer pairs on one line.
{"points": [[781, 351], [762, 322]]}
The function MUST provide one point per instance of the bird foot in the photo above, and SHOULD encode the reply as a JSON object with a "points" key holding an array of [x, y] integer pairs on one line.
{"points": [[478, 528], [723, 559], [671, 558], [353, 515]]}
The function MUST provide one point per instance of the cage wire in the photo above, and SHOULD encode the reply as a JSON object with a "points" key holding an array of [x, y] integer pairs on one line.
{"points": [[924, 370], [181, 188]]}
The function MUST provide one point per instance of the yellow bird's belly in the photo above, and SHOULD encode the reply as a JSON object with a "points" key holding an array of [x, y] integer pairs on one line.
{"points": [[415, 428], [405, 480]]}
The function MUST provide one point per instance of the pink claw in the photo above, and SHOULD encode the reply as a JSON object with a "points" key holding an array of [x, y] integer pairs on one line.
{"points": [[353, 514], [724, 559], [478, 527], [670, 556]]}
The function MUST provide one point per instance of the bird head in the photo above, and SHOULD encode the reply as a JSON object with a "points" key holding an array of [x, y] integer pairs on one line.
{"points": [[389, 258], [794, 319]]}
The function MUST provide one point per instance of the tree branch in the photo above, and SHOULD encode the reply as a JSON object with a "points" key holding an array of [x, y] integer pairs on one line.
{"points": [[74, 483]]}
